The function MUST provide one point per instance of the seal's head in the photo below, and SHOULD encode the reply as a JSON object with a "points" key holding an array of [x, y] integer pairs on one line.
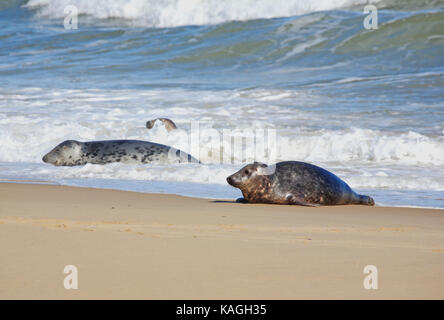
{"points": [[255, 181], [248, 174], [67, 153]]}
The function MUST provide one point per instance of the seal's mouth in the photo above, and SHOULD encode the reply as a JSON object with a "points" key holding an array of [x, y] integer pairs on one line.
{"points": [[47, 159]]}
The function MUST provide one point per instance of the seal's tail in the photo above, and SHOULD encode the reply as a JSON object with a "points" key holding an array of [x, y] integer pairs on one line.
{"points": [[366, 200]]}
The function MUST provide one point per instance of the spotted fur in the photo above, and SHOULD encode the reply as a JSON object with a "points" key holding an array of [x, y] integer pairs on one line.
{"points": [[75, 153], [294, 182]]}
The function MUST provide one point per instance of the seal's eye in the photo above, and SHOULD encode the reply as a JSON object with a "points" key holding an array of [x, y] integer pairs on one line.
{"points": [[247, 171]]}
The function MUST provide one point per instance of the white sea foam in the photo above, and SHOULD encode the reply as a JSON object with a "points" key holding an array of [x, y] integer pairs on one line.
{"points": [[171, 13], [367, 145], [32, 121]]}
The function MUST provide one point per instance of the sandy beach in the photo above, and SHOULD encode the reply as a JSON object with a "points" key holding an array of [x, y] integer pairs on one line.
{"points": [[129, 245]]}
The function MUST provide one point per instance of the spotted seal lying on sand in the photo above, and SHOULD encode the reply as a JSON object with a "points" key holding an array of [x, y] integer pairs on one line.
{"points": [[75, 153], [293, 182], [169, 124]]}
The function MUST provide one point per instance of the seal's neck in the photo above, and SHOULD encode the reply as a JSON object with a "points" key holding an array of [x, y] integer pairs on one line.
{"points": [[258, 189]]}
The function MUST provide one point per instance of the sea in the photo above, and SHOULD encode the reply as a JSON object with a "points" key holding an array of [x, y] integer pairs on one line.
{"points": [[366, 103]]}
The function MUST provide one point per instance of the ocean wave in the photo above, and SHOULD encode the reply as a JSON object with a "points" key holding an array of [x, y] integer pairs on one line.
{"points": [[403, 33], [290, 48], [365, 145], [26, 139], [173, 13], [34, 120]]}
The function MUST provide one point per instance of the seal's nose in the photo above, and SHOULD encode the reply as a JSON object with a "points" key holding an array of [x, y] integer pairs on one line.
{"points": [[229, 180], [45, 158]]}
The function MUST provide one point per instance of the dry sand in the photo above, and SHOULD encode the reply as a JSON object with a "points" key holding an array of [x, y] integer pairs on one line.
{"points": [[152, 246]]}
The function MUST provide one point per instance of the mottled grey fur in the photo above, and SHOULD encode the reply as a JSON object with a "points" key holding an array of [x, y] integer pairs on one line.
{"points": [[75, 153], [294, 182]]}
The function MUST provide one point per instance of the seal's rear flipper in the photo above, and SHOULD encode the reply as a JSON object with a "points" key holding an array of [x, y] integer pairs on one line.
{"points": [[169, 124], [366, 200]]}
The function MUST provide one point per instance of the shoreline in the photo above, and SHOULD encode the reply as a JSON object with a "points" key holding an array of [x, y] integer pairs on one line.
{"points": [[53, 183], [130, 245]]}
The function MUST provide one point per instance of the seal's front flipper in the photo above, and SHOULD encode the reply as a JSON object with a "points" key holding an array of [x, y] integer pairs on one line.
{"points": [[241, 200], [300, 201]]}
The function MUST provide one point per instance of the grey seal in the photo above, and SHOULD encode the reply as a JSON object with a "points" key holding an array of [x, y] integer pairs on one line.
{"points": [[169, 124], [75, 153], [294, 182]]}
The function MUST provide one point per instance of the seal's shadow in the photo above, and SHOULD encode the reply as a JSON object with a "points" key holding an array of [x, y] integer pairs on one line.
{"points": [[224, 201]]}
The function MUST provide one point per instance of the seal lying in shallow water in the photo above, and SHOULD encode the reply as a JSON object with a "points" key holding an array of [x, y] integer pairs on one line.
{"points": [[293, 182], [75, 153], [168, 124]]}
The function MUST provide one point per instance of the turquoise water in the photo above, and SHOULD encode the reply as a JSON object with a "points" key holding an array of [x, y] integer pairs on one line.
{"points": [[366, 104]]}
